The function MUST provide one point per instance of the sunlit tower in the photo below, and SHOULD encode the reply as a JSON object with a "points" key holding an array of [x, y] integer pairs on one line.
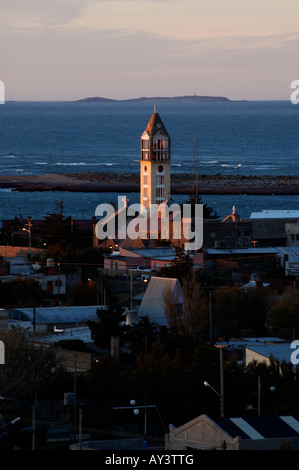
{"points": [[154, 163]]}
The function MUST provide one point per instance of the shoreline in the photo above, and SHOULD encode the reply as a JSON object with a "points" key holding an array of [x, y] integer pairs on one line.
{"points": [[129, 182]]}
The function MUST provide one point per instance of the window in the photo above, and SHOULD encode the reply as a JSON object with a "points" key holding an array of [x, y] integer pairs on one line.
{"points": [[160, 192], [160, 179]]}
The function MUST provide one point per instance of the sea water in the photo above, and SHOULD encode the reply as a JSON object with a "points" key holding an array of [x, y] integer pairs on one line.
{"points": [[233, 138]]}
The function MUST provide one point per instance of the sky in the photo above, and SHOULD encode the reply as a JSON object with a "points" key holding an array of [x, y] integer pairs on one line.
{"points": [[73, 49]]}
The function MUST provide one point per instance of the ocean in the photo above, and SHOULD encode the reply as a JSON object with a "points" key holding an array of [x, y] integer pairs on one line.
{"points": [[236, 138]]}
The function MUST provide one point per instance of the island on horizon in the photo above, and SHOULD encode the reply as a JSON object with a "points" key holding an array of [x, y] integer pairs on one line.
{"points": [[99, 99]]}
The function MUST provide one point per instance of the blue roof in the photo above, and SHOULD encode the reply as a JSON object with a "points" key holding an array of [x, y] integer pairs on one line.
{"points": [[56, 315], [260, 427]]}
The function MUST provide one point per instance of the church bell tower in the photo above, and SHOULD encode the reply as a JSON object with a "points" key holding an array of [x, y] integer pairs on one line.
{"points": [[154, 163]]}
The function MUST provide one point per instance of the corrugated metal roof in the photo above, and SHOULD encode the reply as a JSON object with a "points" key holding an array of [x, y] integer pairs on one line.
{"points": [[279, 351], [260, 427], [247, 428], [274, 214], [56, 315]]}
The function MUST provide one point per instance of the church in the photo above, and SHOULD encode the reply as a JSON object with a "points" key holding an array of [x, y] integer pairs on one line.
{"points": [[154, 163], [160, 219]]}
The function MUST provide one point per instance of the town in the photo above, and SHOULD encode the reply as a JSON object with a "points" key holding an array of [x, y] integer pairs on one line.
{"points": [[150, 342]]}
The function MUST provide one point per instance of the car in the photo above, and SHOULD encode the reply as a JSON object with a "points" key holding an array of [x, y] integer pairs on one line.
{"points": [[143, 268]]}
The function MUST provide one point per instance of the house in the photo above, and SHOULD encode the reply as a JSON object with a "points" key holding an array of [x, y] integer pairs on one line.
{"points": [[152, 304], [242, 261], [50, 318], [230, 232], [292, 234], [263, 352], [269, 227], [247, 433], [289, 260]]}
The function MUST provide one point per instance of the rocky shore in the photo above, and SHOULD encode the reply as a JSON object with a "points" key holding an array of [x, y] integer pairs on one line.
{"points": [[129, 182]]}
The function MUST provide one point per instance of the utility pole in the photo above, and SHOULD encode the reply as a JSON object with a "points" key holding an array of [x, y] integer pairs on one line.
{"points": [[80, 428], [131, 290]]}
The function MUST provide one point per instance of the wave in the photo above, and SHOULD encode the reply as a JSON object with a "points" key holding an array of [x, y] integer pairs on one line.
{"points": [[75, 164], [225, 165]]}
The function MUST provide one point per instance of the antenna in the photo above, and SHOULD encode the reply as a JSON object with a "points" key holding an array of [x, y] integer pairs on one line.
{"points": [[195, 167], [155, 109]]}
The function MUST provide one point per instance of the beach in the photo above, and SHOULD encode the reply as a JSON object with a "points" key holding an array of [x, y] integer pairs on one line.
{"points": [[129, 182]]}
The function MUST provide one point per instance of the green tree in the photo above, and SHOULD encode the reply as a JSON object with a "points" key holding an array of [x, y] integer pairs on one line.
{"points": [[181, 266], [285, 312], [110, 323], [84, 293], [236, 309], [28, 366], [21, 292], [187, 312]]}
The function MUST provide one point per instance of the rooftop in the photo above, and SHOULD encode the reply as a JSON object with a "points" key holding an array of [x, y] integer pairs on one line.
{"points": [[275, 214]]}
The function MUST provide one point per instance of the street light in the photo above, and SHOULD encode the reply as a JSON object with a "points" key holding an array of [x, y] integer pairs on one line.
{"points": [[14, 421], [221, 347], [29, 233], [136, 411], [97, 286], [206, 384]]}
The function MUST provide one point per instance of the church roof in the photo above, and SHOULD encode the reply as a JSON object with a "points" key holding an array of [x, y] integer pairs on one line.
{"points": [[155, 125]]}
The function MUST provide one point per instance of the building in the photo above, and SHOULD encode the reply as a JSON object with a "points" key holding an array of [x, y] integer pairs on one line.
{"points": [[292, 234], [152, 304], [230, 232], [154, 163], [264, 352], [248, 433], [241, 262], [51, 318], [269, 227]]}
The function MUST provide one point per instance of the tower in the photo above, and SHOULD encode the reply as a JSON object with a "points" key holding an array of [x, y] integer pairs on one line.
{"points": [[154, 163]]}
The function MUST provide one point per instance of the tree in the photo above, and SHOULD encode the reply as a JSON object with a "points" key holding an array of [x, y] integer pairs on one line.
{"points": [[236, 308], [187, 312], [180, 267], [24, 292], [84, 293], [110, 323], [63, 238], [285, 312], [28, 366]]}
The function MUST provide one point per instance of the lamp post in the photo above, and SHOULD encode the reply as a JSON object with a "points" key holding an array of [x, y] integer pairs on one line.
{"points": [[221, 347], [29, 219], [206, 384], [14, 421], [136, 409], [97, 287]]}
